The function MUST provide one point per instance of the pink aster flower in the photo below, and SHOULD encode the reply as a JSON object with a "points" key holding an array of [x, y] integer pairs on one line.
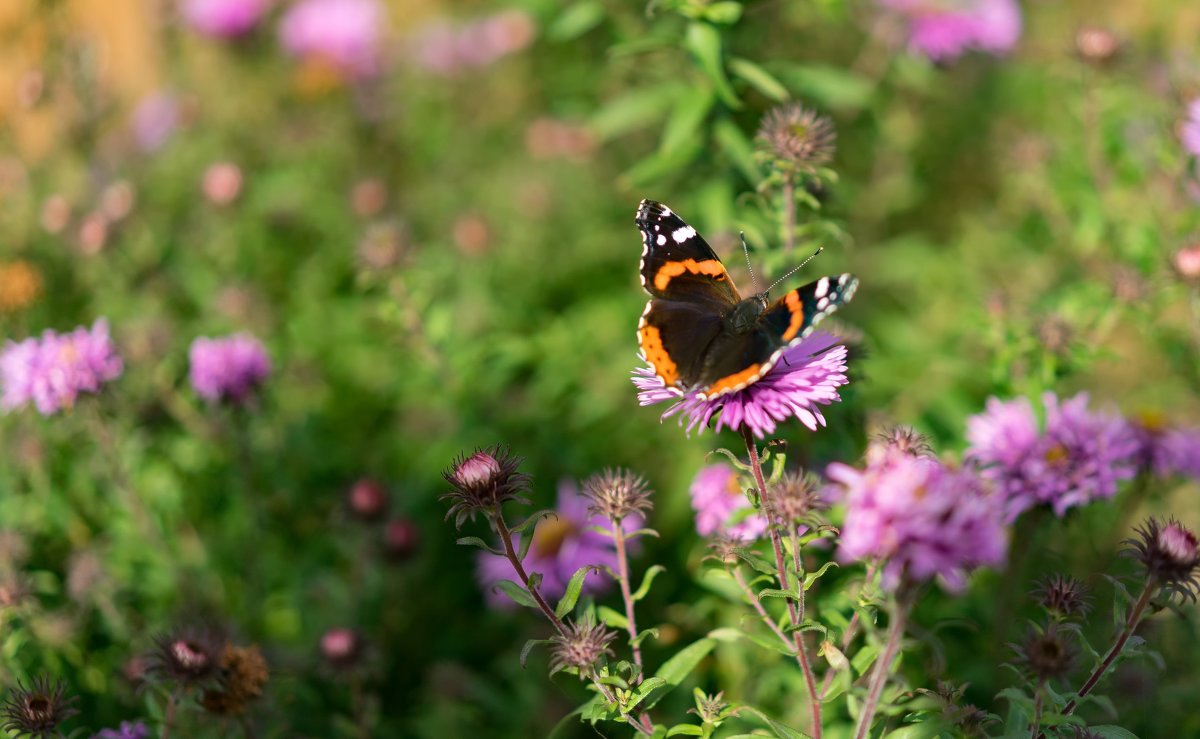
{"points": [[806, 377], [224, 18], [127, 730], [1166, 451], [920, 517], [722, 507], [346, 34], [944, 30], [1189, 131], [1080, 456], [561, 545], [50, 372], [155, 119], [228, 369], [445, 49]]}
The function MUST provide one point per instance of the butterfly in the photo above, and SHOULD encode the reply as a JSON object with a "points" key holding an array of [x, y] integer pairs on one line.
{"points": [[697, 332]]}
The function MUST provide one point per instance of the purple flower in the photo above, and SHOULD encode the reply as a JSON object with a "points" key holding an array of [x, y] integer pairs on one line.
{"points": [[52, 371], [447, 50], [722, 507], [1165, 451], [944, 30], [923, 518], [1081, 455], [346, 34], [154, 120], [561, 545], [224, 18], [1189, 132], [229, 368], [127, 730], [805, 377]]}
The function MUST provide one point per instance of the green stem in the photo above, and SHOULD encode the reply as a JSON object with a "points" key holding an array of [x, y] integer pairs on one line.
{"points": [[883, 666]]}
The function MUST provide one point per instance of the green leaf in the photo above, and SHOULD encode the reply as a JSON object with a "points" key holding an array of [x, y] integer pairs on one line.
{"points": [[772, 643], [518, 594], [725, 12], [612, 618], [758, 78], [685, 730], [738, 148], [574, 586], [812, 577], [576, 20], [647, 579], [682, 128], [475, 541], [828, 86], [529, 645], [644, 690], [1110, 731], [704, 41], [923, 730], [777, 593], [679, 666], [631, 111], [864, 658], [783, 731], [637, 640]]}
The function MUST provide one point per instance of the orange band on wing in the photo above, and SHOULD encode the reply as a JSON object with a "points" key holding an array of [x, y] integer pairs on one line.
{"points": [[796, 308], [656, 355], [710, 267], [728, 383]]}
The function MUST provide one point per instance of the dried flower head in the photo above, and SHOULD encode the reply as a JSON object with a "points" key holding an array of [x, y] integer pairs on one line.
{"points": [[616, 494], [39, 709], [1063, 596], [724, 548], [189, 654], [20, 285], [793, 138], [796, 497], [243, 674], [482, 482], [1096, 45], [582, 647], [1046, 654], [1170, 552], [906, 439]]}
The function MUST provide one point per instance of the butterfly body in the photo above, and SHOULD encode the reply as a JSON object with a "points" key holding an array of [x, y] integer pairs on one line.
{"points": [[697, 332]]}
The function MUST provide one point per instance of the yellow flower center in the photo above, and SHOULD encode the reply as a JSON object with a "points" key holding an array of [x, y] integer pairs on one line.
{"points": [[1057, 454], [550, 535]]}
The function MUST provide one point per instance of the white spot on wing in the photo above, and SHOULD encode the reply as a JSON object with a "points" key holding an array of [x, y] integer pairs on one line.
{"points": [[683, 233], [822, 287], [662, 239]]}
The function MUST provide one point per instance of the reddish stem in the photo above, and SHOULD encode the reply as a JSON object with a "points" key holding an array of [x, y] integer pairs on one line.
{"points": [[627, 595], [510, 552], [883, 667]]}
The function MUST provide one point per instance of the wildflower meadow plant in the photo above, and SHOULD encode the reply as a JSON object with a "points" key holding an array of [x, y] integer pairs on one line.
{"points": [[946, 29], [52, 371], [228, 369]]}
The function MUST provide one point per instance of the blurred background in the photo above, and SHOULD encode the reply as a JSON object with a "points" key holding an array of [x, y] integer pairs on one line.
{"points": [[424, 211]]}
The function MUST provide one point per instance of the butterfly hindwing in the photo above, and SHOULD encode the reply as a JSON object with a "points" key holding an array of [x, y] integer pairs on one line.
{"points": [[794, 316], [673, 335], [677, 263]]}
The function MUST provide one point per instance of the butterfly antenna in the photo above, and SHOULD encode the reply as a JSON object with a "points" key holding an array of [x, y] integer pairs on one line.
{"points": [[796, 268], [746, 251]]}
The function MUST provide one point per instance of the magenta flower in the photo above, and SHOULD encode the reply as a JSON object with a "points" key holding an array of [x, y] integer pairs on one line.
{"points": [[1081, 455], [920, 517], [224, 18], [445, 49], [722, 507], [228, 369], [806, 377], [154, 120], [944, 30], [50, 372], [346, 34], [1165, 451], [127, 730], [1189, 132], [561, 545]]}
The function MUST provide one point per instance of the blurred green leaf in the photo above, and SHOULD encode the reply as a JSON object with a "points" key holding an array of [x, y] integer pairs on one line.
{"points": [[704, 41], [574, 586], [647, 580], [827, 86], [516, 593], [576, 20], [679, 666], [759, 78]]}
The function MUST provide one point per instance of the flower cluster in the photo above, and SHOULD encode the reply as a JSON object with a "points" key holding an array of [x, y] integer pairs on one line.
{"points": [[52, 371], [224, 18], [1189, 130], [923, 518], [228, 369], [446, 49], [806, 377], [722, 507], [561, 545], [1079, 457], [944, 30], [1165, 451]]}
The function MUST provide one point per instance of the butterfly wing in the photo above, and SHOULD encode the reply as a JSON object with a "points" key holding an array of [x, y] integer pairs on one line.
{"points": [[690, 294], [734, 361]]}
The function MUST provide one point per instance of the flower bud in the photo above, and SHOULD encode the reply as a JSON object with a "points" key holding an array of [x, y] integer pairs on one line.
{"points": [[400, 539], [367, 500]]}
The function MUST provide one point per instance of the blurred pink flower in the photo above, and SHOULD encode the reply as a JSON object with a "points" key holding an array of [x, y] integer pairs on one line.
{"points": [[51, 371], [944, 30], [1189, 131], [445, 49], [721, 506], [224, 18], [346, 34], [229, 368], [222, 183], [155, 119]]}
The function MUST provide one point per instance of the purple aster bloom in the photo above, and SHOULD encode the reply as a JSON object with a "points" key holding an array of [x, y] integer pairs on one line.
{"points": [[50, 372], [944, 30], [561, 545], [722, 507], [919, 516], [346, 34], [1189, 132], [127, 730], [224, 18], [228, 368], [154, 120], [806, 377], [1080, 456], [1165, 451]]}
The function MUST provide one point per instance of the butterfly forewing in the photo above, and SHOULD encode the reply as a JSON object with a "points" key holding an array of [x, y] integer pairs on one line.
{"points": [[677, 263]]}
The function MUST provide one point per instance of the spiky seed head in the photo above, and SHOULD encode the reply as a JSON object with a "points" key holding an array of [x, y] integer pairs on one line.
{"points": [[796, 497], [709, 707], [39, 709], [243, 676], [189, 655], [1096, 44], [1063, 596], [1170, 552], [1047, 654], [483, 481], [906, 439], [582, 647], [795, 138], [616, 494]]}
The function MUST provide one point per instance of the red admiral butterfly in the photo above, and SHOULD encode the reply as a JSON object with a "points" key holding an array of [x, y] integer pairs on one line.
{"points": [[697, 332]]}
